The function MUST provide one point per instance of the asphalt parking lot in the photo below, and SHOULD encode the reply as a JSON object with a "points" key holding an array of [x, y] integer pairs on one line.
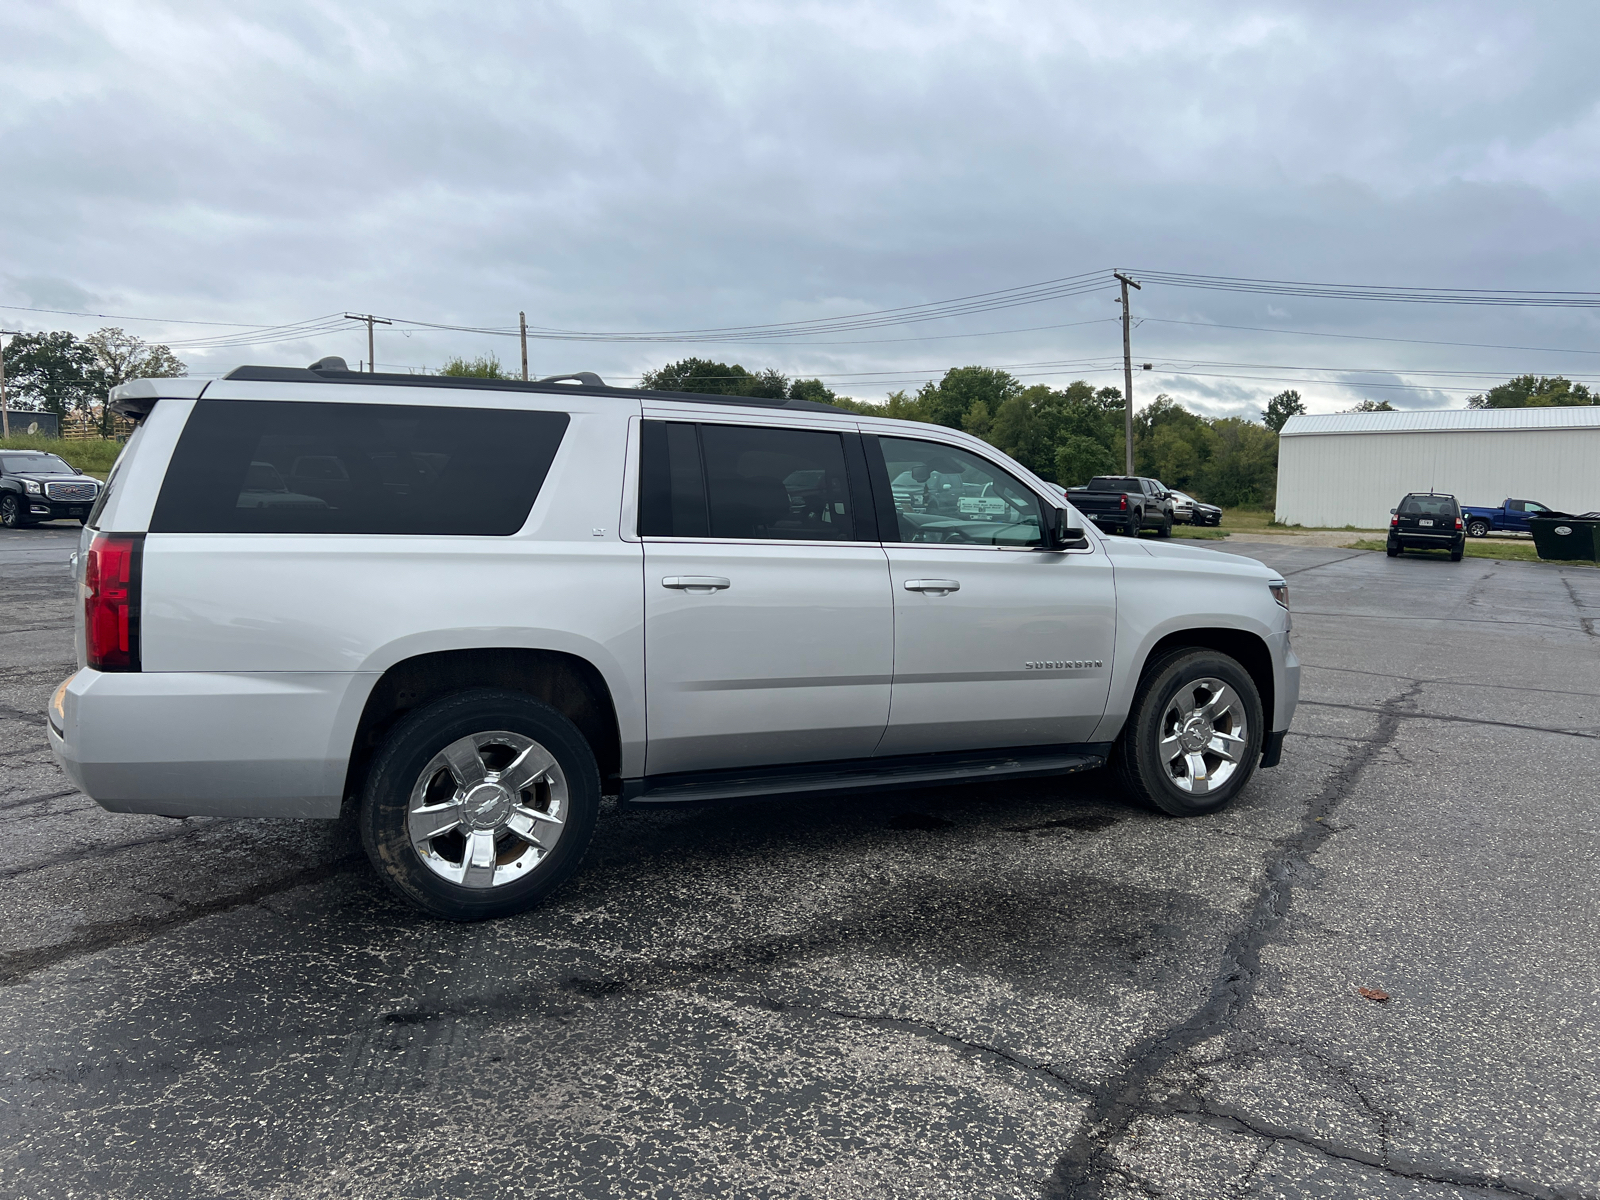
{"points": [[1029, 990]]}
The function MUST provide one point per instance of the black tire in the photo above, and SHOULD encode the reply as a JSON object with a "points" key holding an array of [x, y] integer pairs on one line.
{"points": [[1457, 553], [11, 514], [1138, 760], [1392, 549], [1478, 528], [1131, 529], [411, 749], [1165, 530]]}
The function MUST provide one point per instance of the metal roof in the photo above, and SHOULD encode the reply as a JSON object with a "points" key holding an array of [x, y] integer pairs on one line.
{"points": [[1445, 420]]}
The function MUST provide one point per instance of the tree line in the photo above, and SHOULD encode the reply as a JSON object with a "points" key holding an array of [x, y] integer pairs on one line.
{"points": [[1066, 435], [63, 374]]}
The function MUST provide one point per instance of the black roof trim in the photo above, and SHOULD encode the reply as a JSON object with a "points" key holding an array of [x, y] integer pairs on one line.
{"points": [[306, 375]]}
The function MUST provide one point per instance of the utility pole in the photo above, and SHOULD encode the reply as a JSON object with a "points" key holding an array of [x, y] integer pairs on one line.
{"points": [[372, 320], [5, 409], [1127, 370], [522, 319]]}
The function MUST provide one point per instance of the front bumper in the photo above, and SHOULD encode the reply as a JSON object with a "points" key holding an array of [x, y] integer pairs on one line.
{"points": [[56, 510], [208, 744]]}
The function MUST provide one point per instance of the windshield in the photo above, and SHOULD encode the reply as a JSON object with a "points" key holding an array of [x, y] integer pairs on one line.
{"points": [[42, 464]]}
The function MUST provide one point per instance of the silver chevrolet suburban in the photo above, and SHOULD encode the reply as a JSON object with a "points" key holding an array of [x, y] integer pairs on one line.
{"points": [[473, 607]]}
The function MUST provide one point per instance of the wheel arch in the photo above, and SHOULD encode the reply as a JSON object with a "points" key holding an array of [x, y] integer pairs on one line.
{"points": [[1248, 649], [570, 684]]}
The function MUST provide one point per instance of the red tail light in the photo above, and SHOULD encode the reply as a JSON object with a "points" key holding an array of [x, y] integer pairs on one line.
{"points": [[111, 601], [1393, 521], [1458, 522], [1122, 503]]}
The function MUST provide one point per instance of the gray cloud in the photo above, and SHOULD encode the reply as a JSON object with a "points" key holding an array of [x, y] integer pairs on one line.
{"points": [[671, 166]]}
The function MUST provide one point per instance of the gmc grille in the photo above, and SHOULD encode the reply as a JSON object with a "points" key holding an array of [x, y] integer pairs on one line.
{"points": [[70, 491]]}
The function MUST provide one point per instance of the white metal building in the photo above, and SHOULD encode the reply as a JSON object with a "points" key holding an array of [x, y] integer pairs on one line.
{"points": [[1351, 468]]}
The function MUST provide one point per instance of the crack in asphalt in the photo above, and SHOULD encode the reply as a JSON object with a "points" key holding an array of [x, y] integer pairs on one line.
{"points": [[1080, 1172], [24, 801], [1460, 1179], [17, 965], [933, 1033], [67, 857], [1421, 716], [1472, 683]]}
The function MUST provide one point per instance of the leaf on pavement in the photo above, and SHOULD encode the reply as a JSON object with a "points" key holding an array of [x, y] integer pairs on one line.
{"points": [[1376, 994]]}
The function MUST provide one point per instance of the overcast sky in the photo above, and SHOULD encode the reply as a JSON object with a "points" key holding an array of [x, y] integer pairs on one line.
{"points": [[666, 166]]}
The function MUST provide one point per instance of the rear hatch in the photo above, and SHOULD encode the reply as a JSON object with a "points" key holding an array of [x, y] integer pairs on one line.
{"points": [[1428, 518]]}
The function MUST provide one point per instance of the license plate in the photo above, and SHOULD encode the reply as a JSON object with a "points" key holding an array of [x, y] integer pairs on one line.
{"points": [[1424, 522], [78, 510]]}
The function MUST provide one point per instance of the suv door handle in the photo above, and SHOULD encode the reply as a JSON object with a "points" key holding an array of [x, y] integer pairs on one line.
{"points": [[942, 586], [698, 584]]}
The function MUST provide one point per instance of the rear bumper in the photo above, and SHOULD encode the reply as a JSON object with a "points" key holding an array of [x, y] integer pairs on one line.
{"points": [[203, 744]]}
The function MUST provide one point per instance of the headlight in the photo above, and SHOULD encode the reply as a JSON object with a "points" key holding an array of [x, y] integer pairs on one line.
{"points": [[33, 487], [1280, 593]]}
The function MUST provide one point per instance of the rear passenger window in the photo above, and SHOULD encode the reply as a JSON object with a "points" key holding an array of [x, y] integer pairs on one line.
{"points": [[272, 466], [746, 482]]}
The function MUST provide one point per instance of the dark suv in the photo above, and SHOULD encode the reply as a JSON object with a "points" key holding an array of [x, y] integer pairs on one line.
{"points": [[1427, 521], [36, 486]]}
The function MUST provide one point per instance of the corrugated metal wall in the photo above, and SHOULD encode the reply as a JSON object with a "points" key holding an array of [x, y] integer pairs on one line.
{"points": [[1343, 479]]}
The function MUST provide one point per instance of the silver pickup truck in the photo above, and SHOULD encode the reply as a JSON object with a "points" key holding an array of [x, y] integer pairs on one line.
{"points": [[471, 608]]}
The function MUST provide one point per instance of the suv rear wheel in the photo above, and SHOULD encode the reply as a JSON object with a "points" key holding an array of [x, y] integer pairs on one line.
{"points": [[1194, 735], [480, 805]]}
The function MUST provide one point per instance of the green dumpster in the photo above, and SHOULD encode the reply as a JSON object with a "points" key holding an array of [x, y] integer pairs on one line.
{"points": [[1564, 537]]}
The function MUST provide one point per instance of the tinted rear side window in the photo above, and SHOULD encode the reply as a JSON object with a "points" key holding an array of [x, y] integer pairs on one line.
{"points": [[272, 466]]}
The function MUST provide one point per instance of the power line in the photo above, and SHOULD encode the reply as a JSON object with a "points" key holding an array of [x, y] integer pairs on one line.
{"points": [[1369, 337], [1380, 292]]}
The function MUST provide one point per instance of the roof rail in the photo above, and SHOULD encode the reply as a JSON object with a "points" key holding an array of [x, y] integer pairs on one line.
{"points": [[588, 383]]}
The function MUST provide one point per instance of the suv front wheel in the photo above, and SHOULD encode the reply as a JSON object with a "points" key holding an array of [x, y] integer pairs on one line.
{"points": [[12, 513], [1194, 735], [480, 805]]}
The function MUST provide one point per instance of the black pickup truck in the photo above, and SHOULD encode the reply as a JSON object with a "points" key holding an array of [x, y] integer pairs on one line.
{"points": [[1125, 504]]}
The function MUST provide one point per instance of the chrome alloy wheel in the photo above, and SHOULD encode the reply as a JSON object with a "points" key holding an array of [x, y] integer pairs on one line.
{"points": [[487, 809], [1203, 736]]}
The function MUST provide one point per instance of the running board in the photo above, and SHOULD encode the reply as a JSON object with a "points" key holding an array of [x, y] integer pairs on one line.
{"points": [[864, 774]]}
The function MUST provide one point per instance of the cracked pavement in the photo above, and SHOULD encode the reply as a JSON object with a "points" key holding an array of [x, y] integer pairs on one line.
{"points": [[1025, 990]]}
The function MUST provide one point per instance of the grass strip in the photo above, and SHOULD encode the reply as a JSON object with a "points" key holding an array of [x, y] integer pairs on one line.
{"points": [[93, 456], [1511, 551]]}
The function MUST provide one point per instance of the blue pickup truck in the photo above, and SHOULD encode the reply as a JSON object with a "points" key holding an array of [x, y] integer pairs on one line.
{"points": [[1510, 517]]}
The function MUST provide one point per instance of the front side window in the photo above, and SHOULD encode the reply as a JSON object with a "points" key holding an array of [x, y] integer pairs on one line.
{"points": [[1531, 506], [273, 466], [946, 495], [744, 482]]}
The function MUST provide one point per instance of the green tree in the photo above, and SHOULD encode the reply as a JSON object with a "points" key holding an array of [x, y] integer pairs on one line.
{"points": [[1079, 459], [1171, 443], [947, 401], [53, 372], [1534, 391], [1243, 469], [709, 378], [1373, 406], [123, 356], [485, 366], [1280, 408]]}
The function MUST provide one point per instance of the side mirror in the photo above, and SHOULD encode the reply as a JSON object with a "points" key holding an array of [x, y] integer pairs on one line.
{"points": [[77, 470], [1058, 535], [1393, 511]]}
